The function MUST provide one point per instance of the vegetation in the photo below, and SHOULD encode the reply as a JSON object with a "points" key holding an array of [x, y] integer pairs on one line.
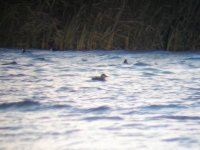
{"points": [[101, 24]]}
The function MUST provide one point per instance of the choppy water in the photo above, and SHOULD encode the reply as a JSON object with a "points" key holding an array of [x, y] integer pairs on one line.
{"points": [[48, 100]]}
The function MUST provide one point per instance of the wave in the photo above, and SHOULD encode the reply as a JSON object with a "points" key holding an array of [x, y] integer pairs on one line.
{"points": [[141, 64], [179, 117], [59, 106], [114, 57], [94, 118], [193, 58], [163, 106], [180, 139], [10, 63], [17, 75], [19, 105], [28, 105], [99, 109], [147, 74], [41, 59], [152, 69], [167, 72]]}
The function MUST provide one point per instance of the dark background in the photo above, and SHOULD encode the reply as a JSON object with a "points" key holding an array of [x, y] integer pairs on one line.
{"points": [[101, 24]]}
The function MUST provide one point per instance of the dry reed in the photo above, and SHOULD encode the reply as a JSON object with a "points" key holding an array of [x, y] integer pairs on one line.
{"points": [[119, 24]]}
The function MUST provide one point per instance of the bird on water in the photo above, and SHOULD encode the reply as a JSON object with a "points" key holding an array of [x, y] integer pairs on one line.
{"points": [[125, 61], [100, 78], [23, 50]]}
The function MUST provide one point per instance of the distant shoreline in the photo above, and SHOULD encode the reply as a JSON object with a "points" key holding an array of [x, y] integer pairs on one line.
{"points": [[86, 50]]}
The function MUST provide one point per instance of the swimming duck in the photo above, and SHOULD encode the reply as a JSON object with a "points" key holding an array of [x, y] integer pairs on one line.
{"points": [[23, 50], [125, 61], [100, 78]]}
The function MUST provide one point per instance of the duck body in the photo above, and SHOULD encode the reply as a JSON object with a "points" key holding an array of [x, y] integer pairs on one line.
{"points": [[125, 61], [23, 50], [100, 78]]}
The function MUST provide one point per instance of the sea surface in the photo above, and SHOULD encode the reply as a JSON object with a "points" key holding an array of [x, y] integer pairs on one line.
{"points": [[49, 102]]}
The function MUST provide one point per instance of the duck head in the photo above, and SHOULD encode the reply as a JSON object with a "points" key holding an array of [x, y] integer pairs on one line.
{"points": [[125, 61], [103, 75]]}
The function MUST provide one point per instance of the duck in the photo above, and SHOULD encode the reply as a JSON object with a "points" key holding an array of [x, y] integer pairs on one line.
{"points": [[100, 78], [23, 50], [125, 61]]}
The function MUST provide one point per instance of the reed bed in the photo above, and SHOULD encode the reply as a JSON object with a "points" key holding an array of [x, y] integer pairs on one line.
{"points": [[94, 24]]}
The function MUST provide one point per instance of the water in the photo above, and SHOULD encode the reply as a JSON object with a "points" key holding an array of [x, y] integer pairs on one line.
{"points": [[48, 100]]}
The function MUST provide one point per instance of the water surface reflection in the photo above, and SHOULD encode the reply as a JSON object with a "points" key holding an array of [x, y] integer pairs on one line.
{"points": [[48, 100]]}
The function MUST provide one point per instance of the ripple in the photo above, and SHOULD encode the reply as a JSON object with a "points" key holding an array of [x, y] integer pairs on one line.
{"points": [[21, 104], [16, 75], [10, 63], [177, 117], [156, 107], [148, 74], [84, 59], [141, 64], [63, 89], [41, 59], [51, 94], [152, 69], [96, 118], [59, 106], [130, 125], [193, 58], [28, 105], [28, 65], [167, 72], [99, 109], [181, 118], [10, 128], [193, 66], [180, 139], [114, 57]]}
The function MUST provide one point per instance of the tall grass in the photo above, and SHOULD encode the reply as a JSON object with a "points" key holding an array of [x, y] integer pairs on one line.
{"points": [[101, 24]]}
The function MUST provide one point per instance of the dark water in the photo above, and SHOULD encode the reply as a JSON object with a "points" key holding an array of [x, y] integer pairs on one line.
{"points": [[48, 100]]}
